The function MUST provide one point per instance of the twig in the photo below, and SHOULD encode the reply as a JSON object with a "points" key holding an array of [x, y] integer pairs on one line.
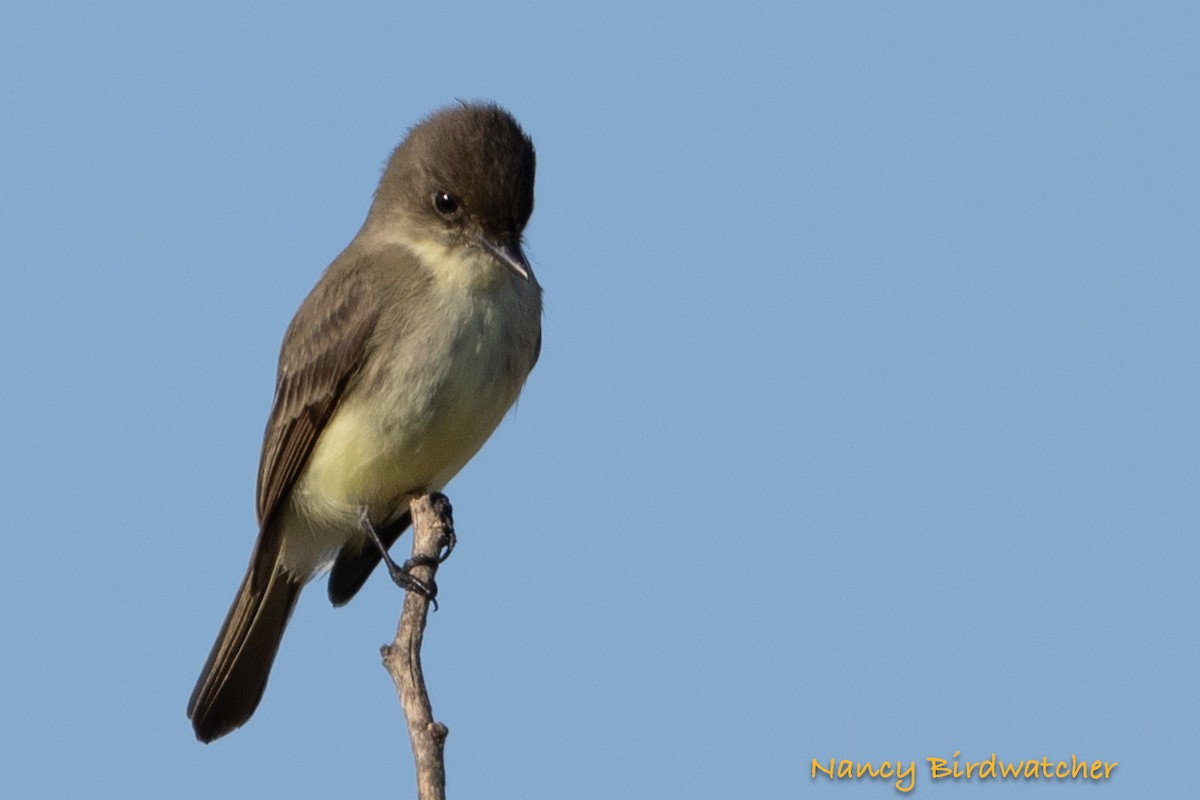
{"points": [[433, 536]]}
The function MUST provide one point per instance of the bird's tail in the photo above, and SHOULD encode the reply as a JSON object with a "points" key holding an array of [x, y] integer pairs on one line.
{"points": [[235, 675]]}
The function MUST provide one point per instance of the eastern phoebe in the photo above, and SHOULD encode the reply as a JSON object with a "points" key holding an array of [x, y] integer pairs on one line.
{"points": [[399, 364]]}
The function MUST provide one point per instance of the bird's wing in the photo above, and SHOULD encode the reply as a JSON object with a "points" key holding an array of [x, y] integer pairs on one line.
{"points": [[322, 351]]}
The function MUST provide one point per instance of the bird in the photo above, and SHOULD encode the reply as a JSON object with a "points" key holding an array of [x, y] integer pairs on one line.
{"points": [[399, 364]]}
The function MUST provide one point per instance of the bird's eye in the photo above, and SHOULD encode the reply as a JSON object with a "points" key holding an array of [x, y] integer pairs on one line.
{"points": [[446, 204]]}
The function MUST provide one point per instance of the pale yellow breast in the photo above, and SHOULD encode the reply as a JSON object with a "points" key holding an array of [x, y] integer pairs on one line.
{"points": [[441, 396]]}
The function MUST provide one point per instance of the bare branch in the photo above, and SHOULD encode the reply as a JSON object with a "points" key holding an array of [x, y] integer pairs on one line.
{"points": [[433, 538]]}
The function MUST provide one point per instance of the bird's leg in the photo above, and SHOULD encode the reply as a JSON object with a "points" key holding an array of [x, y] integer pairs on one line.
{"points": [[401, 574]]}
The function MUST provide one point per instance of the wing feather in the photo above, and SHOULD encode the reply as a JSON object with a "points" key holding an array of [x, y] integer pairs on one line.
{"points": [[322, 351]]}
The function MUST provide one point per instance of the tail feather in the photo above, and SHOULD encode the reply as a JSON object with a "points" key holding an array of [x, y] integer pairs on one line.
{"points": [[235, 675]]}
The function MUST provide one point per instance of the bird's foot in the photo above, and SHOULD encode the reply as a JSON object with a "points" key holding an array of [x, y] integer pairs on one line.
{"points": [[401, 574]]}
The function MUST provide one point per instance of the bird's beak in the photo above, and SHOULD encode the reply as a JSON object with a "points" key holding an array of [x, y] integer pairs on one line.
{"points": [[509, 254]]}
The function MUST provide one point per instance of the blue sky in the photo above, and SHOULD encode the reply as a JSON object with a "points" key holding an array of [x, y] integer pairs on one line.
{"points": [[865, 425]]}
